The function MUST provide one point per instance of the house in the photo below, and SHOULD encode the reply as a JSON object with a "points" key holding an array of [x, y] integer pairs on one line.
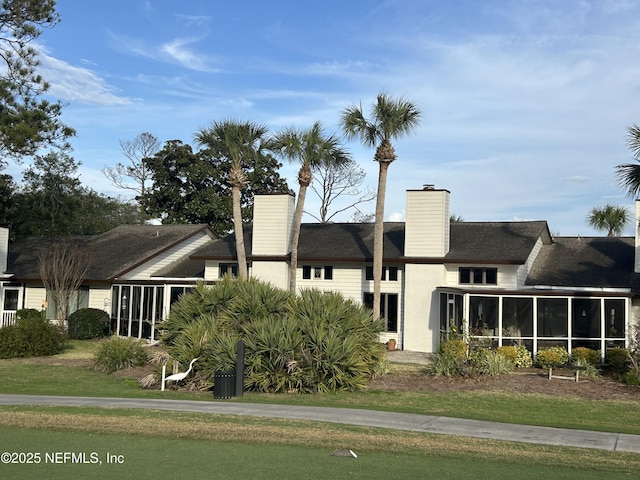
{"points": [[136, 273], [506, 282]]}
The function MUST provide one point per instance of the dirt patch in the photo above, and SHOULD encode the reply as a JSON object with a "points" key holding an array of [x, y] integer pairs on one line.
{"points": [[523, 381]]}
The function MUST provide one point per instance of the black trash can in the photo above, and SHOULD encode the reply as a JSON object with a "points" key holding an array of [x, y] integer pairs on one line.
{"points": [[224, 384]]}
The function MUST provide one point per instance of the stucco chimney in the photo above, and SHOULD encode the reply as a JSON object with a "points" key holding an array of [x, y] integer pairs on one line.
{"points": [[427, 223]]}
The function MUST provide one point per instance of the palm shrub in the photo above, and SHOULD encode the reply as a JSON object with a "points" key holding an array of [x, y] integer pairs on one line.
{"points": [[552, 357], [313, 342], [445, 365], [118, 353], [88, 323]]}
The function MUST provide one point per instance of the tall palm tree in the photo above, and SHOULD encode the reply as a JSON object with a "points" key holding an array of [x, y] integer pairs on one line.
{"points": [[243, 142], [612, 218], [312, 148], [628, 174], [391, 118]]}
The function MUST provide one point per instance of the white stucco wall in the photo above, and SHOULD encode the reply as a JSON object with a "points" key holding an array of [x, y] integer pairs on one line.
{"points": [[421, 310]]}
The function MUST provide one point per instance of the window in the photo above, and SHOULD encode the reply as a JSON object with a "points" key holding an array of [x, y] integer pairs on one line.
{"points": [[388, 273], [319, 273], [388, 309], [228, 268], [478, 276], [11, 300]]}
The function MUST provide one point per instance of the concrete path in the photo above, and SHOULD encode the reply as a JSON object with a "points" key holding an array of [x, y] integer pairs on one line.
{"points": [[614, 442]]}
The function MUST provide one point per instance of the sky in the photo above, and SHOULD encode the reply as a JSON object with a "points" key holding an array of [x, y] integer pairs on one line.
{"points": [[525, 103]]}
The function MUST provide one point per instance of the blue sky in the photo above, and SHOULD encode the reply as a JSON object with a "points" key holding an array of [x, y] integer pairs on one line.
{"points": [[525, 102]]}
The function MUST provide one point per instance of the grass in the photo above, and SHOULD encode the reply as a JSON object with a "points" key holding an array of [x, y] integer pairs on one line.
{"points": [[156, 445], [160, 444]]}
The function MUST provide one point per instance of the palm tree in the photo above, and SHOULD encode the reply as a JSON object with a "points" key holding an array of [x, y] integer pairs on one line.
{"points": [[391, 119], [629, 173], [611, 218], [243, 142], [312, 148]]}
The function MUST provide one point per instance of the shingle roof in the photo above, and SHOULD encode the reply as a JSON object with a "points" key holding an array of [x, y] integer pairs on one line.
{"points": [[585, 262], [113, 252], [470, 242], [510, 242]]}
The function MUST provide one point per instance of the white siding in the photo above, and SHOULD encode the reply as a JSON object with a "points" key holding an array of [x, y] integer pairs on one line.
{"points": [[427, 223], [4, 248], [181, 250], [348, 279], [100, 297], [34, 296], [272, 218], [275, 273]]}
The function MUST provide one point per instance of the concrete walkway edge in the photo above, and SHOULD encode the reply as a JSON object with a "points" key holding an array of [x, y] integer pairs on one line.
{"points": [[615, 442]]}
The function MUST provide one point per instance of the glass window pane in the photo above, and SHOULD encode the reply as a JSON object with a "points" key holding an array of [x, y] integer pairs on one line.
{"points": [[491, 276], [586, 318], [368, 275], [553, 317], [465, 275], [614, 318], [483, 313], [306, 272], [477, 276], [517, 317], [393, 274], [391, 312], [11, 300], [328, 272]]}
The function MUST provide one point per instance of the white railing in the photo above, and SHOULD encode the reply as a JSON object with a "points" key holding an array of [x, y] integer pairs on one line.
{"points": [[8, 318]]}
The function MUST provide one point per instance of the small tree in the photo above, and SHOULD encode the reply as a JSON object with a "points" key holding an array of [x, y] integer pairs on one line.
{"points": [[63, 267], [610, 218], [340, 181]]}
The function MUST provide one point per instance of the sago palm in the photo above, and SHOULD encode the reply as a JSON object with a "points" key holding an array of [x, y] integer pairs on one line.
{"points": [[242, 142], [390, 119], [312, 148]]}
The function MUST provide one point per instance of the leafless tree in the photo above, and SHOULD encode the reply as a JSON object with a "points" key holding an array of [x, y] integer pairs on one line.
{"points": [[333, 182], [63, 266], [134, 175]]}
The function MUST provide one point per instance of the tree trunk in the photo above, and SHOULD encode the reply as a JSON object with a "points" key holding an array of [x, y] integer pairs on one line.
{"points": [[378, 234], [295, 235], [237, 226]]}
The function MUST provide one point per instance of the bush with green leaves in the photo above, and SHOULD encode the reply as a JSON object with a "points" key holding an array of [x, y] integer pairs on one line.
{"points": [[117, 353], [632, 376], [445, 364], [31, 336], [588, 369], [88, 323], [589, 355], [311, 342], [486, 361], [523, 358], [509, 352], [619, 359], [552, 357], [456, 348]]}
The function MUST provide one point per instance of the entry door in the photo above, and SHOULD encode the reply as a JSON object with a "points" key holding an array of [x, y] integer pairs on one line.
{"points": [[9, 305]]}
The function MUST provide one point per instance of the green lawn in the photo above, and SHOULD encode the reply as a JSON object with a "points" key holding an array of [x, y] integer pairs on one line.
{"points": [[150, 444]]}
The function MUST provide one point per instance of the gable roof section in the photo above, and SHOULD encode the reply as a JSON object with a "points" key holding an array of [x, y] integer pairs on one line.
{"points": [[114, 252], [598, 262], [495, 242]]}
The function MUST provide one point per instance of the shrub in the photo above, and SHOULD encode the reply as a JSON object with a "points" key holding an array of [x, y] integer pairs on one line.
{"points": [[491, 362], [31, 336], [552, 356], [632, 376], [313, 342], [30, 314], [509, 352], [456, 348], [445, 365], [589, 369], [118, 353], [589, 355], [619, 359], [88, 323], [523, 359]]}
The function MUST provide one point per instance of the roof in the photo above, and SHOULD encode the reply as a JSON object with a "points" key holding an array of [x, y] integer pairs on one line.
{"points": [[114, 252], [485, 242], [600, 262], [498, 242]]}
